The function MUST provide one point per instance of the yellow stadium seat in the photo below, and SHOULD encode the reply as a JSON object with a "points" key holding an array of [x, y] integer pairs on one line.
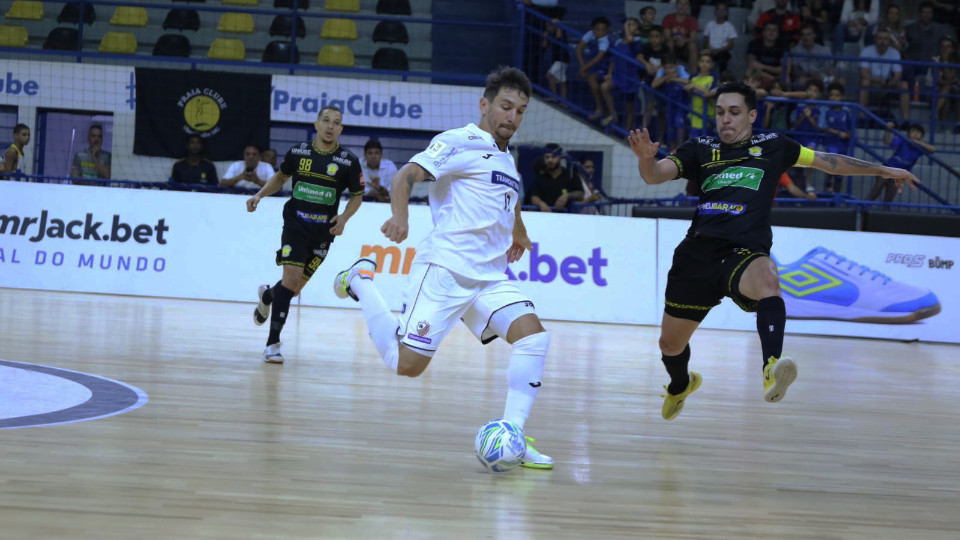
{"points": [[335, 55], [22, 9], [129, 16], [118, 43], [13, 36], [339, 29], [240, 2], [352, 6], [227, 49], [238, 23]]}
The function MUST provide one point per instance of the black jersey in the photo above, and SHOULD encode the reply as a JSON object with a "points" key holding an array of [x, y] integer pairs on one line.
{"points": [[738, 182], [318, 180]]}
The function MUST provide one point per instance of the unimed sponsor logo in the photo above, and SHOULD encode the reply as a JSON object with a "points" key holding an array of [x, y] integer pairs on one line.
{"points": [[543, 267], [37, 228]]}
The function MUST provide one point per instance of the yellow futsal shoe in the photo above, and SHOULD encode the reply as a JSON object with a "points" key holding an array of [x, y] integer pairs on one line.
{"points": [[673, 404], [533, 459], [778, 375]]}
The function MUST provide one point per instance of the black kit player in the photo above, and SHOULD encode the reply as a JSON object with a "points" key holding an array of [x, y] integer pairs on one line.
{"points": [[726, 250], [321, 170]]}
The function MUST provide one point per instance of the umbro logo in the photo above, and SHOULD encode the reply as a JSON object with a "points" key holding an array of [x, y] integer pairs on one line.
{"points": [[487, 156], [535, 385]]}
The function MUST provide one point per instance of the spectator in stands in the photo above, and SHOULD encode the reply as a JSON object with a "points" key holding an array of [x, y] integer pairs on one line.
{"points": [[194, 169], [754, 78], [594, 46], [787, 21], [893, 23], [671, 80], [681, 32], [94, 162], [585, 172], [854, 19], [766, 54], [377, 172], [11, 158], [719, 36], [269, 156], [532, 52], [647, 16], [701, 89], [651, 56], [948, 80], [816, 13], [802, 69], [623, 74], [554, 187], [837, 126], [948, 13], [759, 7], [555, 40], [880, 76], [806, 125], [248, 173], [905, 156], [923, 43]]}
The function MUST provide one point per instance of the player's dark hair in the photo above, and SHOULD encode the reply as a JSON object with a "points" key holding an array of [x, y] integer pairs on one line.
{"points": [[333, 108], [837, 86], [744, 89], [507, 77], [19, 127], [373, 143]]}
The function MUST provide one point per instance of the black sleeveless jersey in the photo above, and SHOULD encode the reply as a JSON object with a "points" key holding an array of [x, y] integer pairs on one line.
{"points": [[739, 182], [318, 180]]}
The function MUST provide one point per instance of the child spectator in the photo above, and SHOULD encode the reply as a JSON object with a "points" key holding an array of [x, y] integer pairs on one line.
{"points": [[555, 40], [647, 15], [701, 88], [681, 29], [595, 44], [837, 124], [651, 56], [905, 156], [671, 79], [806, 123], [719, 36], [623, 73]]}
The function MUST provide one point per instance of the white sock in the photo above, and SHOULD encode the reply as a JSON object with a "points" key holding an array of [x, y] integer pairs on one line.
{"points": [[523, 376], [381, 323]]}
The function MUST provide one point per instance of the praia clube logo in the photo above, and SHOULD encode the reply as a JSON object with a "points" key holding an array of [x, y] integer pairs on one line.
{"points": [[44, 228], [202, 108]]}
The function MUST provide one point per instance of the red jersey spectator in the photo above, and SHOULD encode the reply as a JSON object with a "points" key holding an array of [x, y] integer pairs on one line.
{"points": [[681, 32]]}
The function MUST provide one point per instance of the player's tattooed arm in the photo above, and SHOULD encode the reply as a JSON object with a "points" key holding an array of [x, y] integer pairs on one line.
{"points": [[848, 166]]}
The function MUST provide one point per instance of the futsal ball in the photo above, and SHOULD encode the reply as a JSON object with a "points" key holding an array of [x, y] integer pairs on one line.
{"points": [[500, 445]]}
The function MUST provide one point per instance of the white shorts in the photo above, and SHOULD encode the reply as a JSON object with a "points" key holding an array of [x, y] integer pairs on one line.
{"points": [[558, 71], [436, 298]]}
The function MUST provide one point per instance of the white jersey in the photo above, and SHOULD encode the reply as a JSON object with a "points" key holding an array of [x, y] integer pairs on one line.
{"points": [[472, 202]]}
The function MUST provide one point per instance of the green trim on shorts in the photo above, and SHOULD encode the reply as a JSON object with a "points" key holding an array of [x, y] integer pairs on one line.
{"points": [[686, 306]]}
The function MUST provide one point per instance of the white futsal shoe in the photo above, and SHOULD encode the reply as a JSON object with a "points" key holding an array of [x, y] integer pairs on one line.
{"points": [[272, 354], [533, 459], [341, 284], [262, 312]]}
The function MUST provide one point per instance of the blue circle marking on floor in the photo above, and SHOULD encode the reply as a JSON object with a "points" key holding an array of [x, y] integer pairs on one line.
{"points": [[34, 395]]}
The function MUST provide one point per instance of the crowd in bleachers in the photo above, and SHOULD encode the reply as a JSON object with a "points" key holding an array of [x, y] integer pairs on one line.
{"points": [[281, 31]]}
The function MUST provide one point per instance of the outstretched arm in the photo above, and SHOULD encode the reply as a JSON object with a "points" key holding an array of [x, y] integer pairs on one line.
{"points": [[396, 227], [837, 164], [521, 242], [651, 170]]}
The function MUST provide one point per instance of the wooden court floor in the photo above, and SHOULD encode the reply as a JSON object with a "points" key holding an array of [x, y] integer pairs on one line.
{"points": [[865, 446]]}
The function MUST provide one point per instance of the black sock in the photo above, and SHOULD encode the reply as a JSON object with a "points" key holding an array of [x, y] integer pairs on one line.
{"points": [[267, 297], [278, 315], [771, 320], [677, 369]]}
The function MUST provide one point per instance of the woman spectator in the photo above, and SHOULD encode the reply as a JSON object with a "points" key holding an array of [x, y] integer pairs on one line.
{"points": [[893, 23]]}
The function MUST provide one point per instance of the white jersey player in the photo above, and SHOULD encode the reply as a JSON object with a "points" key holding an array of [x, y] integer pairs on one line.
{"points": [[460, 268]]}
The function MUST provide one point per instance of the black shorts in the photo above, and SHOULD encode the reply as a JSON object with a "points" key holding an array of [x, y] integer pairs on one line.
{"points": [[704, 271], [303, 245]]}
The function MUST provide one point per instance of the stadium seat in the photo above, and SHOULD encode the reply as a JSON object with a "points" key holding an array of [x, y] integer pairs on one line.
{"points": [[278, 52], [172, 45], [390, 58], [182, 19], [129, 16], [227, 49], [238, 23], [63, 39], [394, 7], [301, 4], [282, 25], [71, 13], [240, 2], [390, 32], [13, 35], [339, 29], [118, 43], [22, 9], [335, 55], [351, 6]]}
